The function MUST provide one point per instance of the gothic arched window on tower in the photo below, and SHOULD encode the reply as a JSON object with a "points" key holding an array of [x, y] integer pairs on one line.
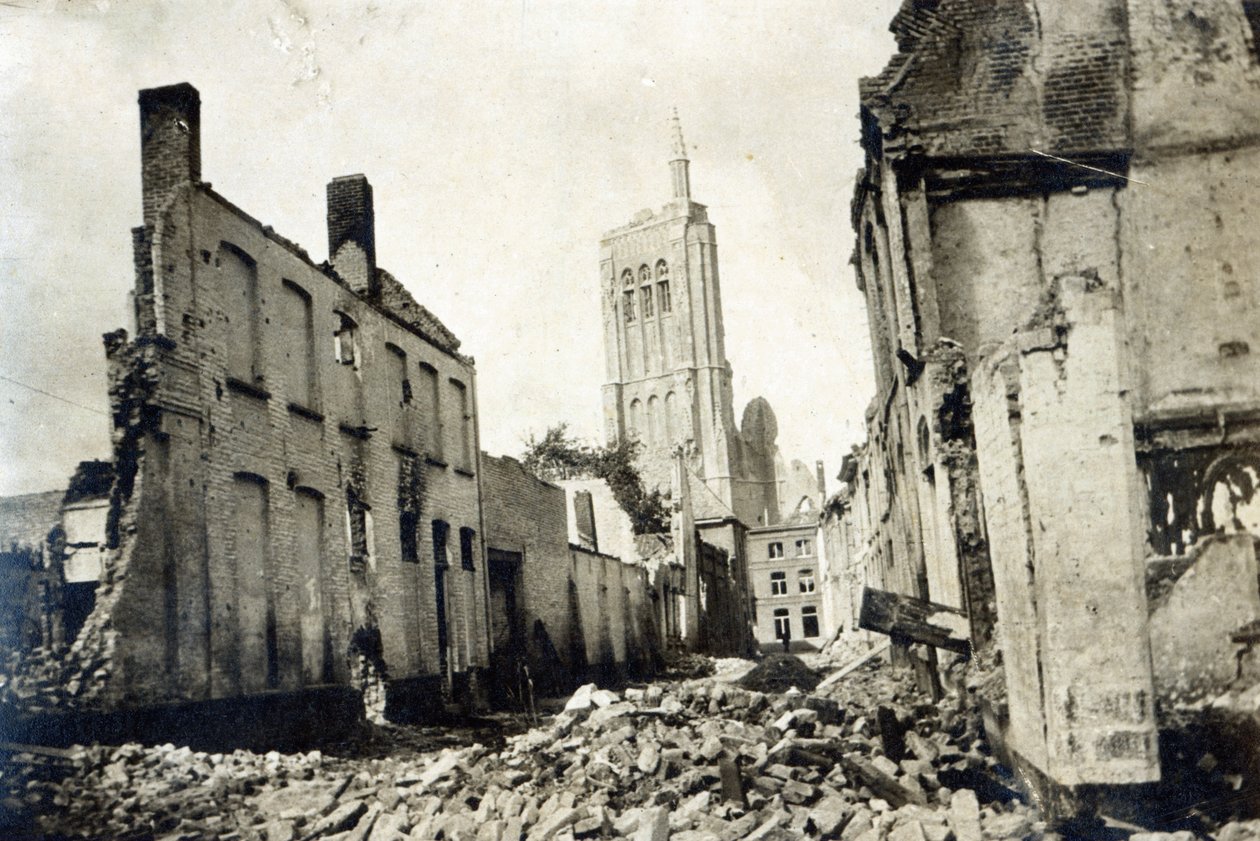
{"points": [[645, 278], [654, 420], [662, 284], [627, 297]]}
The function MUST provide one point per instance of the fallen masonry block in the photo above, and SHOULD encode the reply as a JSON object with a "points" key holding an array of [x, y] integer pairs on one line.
{"points": [[550, 826], [830, 815], [964, 815], [340, 819], [892, 733], [883, 785], [653, 825], [732, 782]]}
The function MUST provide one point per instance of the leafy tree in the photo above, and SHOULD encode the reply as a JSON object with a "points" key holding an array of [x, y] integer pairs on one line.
{"points": [[559, 455]]}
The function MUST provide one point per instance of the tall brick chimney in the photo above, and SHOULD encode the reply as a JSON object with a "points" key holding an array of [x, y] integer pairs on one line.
{"points": [[170, 143], [352, 233]]}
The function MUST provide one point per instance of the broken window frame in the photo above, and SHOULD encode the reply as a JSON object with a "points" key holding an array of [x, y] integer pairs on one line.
{"points": [[805, 580], [404, 383], [441, 537], [360, 535], [346, 341], [804, 548]]}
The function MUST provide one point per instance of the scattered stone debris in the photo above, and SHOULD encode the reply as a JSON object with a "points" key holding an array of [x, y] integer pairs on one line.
{"points": [[699, 760]]}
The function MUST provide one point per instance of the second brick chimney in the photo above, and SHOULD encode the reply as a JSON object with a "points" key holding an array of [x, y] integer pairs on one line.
{"points": [[170, 143], [352, 233]]}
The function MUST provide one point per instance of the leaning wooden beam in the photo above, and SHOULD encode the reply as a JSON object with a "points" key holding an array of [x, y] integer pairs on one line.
{"points": [[845, 670], [914, 620]]}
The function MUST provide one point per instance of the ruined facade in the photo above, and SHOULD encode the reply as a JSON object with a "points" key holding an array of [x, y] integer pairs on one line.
{"points": [[297, 503], [561, 612], [668, 380], [1053, 242]]}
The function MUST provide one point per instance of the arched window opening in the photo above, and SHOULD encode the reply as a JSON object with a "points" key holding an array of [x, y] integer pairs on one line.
{"points": [[671, 418], [627, 297], [240, 311], [645, 291], [297, 322], [636, 418], [654, 420], [662, 288]]}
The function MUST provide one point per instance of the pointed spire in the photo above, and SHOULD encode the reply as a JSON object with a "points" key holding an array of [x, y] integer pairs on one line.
{"points": [[680, 147], [678, 164]]}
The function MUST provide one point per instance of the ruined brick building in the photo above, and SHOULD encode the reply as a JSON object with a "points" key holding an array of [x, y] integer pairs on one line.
{"points": [[298, 504], [668, 380], [1060, 272]]}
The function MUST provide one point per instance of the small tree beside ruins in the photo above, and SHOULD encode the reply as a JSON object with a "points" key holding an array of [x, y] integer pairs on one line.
{"points": [[559, 455]]}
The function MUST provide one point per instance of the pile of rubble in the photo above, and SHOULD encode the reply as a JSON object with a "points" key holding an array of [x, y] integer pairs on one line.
{"points": [[701, 760]]}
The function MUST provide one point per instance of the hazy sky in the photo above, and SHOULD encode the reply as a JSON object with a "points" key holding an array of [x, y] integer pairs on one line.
{"points": [[501, 139]]}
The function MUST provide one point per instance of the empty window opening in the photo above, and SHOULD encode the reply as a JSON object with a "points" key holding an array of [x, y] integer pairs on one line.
{"points": [[359, 537], [466, 548], [809, 621], [407, 524], [804, 547], [776, 550], [399, 358], [346, 341], [782, 624], [441, 530]]}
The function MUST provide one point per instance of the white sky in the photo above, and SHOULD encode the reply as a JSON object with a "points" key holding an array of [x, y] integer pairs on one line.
{"points": [[501, 140]]}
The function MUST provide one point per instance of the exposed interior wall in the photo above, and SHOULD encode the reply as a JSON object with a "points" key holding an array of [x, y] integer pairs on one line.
{"points": [[1194, 613]]}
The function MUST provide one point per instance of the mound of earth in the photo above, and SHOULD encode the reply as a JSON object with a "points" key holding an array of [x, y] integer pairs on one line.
{"points": [[780, 672]]}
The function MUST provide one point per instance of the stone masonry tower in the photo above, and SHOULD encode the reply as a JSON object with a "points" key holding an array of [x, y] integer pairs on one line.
{"points": [[668, 381]]}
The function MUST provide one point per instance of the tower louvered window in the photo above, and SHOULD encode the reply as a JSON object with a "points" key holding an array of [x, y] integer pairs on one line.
{"points": [[662, 287]]}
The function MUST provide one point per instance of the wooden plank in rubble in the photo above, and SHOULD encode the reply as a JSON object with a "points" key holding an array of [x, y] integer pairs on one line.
{"points": [[907, 619]]}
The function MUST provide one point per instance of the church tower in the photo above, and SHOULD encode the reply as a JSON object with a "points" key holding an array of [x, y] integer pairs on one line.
{"points": [[668, 381]]}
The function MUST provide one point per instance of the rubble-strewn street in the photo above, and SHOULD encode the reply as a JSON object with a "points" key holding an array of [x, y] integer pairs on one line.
{"points": [[696, 760]]}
